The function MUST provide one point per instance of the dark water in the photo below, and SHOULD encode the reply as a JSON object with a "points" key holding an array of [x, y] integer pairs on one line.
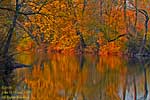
{"points": [[84, 77]]}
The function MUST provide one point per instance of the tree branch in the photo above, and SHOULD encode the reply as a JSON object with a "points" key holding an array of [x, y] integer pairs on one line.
{"points": [[23, 13], [119, 36], [10, 32], [28, 32]]}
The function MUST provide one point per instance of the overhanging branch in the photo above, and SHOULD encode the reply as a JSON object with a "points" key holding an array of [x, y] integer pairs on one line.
{"points": [[23, 13], [116, 38]]}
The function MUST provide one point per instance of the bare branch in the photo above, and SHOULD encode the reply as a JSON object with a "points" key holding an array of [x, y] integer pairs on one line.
{"points": [[23, 13], [142, 11], [28, 32], [43, 5], [116, 38]]}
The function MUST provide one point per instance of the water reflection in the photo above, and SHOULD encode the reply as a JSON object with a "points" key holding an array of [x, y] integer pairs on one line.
{"points": [[5, 83], [84, 77], [12, 87], [136, 80]]}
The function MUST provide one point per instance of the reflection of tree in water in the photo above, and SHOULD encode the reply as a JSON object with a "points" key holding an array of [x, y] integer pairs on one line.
{"points": [[86, 62], [6, 77], [100, 85], [6, 83], [84, 77], [106, 85], [10, 87], [136, 69], [81, 59], [110, 69]]}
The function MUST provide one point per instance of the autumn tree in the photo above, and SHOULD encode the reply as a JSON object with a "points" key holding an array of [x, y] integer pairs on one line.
{"points": [[81, 25], [18, 9], [145, 18]]}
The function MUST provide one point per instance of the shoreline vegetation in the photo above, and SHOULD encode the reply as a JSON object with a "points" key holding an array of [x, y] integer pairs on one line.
{"points": [[86, 51]]}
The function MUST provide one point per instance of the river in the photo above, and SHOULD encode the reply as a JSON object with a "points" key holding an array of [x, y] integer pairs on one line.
{"points": [[77, 77]]}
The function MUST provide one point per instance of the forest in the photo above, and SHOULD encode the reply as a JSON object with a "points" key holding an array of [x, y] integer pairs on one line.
{"points": [[75, 49], [105, 27]]}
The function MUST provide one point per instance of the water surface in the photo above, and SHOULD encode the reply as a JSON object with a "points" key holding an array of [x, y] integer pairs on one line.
{"points": [[72, 77]]}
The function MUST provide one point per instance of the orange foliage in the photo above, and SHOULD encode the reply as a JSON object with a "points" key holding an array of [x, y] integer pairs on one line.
{"points": [[57, 27], [111, 49]]}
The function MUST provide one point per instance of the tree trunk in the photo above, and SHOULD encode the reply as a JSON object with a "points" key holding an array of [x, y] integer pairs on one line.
{"points": [[136, 14], [82, 42], [141, 51], [125, 8], [125, 16], [10, 32], [101, 11]]}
